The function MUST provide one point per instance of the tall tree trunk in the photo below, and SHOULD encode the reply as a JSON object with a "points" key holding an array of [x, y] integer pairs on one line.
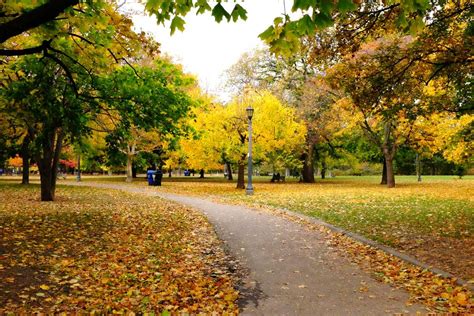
{"points": [[134, 171], [418, 167], [308, 166], [389, 148], [47, 193], [129, 168], [48, 164], [240, 176], [323, 169], [384, 172], [25, 179], [229, 170], [390, 174], [25, 155], [78, 176]]}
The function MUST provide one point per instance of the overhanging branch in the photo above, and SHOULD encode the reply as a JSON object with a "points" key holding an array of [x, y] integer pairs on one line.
{"points": [[34, 18], [25, 51]]}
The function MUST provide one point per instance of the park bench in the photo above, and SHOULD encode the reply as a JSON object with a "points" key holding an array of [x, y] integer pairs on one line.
{"points": [[277, 178]]}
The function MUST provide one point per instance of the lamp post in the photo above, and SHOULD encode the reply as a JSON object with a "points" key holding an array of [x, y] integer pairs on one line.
{"points": [[78, 176], [249, 190]]}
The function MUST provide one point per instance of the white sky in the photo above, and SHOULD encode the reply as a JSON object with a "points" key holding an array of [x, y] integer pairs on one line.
{"points": [[207, 48]]}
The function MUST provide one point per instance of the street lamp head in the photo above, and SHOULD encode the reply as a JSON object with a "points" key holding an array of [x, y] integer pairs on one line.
{"points": [[249, 111]]}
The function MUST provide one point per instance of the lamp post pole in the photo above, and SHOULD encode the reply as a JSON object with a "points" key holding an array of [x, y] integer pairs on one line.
{"points": [[249, 190], [78, 176]]}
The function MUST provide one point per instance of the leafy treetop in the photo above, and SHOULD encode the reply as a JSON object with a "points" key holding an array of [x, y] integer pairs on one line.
{"points": [[20, 17]]}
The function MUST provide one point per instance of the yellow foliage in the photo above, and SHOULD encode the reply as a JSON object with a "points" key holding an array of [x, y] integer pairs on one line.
{"points": [[445, 131], [222, 132]]}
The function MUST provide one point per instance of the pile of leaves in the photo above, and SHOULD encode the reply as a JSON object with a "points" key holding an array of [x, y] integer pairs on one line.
{"points": [[107, 251]]}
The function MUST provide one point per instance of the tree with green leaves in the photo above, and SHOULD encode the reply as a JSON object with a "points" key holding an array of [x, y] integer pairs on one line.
{"points": [[294, 79], [146, 106], [19, 17], [46, 106]]}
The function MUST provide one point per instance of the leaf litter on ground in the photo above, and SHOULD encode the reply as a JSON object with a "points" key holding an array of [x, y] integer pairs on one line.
{"points": [[108, 251]]}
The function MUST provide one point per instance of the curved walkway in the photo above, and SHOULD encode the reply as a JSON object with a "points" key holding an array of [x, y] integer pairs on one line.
{"points": [[291, 270]]}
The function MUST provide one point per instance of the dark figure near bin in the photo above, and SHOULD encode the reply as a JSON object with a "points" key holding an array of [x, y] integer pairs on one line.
{"points": [[276, 177], [201, 174], [158, 177]]}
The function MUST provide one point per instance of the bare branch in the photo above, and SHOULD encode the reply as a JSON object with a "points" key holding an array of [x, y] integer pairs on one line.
{"points": [[65, 68]]}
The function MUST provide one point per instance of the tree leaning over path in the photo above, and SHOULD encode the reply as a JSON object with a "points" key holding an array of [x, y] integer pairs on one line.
{"points": [[19, 17]]}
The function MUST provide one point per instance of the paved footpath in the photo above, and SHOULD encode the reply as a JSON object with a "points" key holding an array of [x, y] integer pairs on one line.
{"points": [[292, 270]]}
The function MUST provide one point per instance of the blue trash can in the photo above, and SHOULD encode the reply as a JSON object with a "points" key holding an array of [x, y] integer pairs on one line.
{"points": [[149, 176]]}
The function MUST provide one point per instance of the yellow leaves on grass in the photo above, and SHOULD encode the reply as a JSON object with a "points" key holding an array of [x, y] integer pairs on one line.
{"points": [[99, 251], [439, 294]]}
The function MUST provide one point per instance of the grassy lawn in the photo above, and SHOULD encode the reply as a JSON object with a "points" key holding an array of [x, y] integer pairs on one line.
{"points": [[432, 220], [107, 251]]}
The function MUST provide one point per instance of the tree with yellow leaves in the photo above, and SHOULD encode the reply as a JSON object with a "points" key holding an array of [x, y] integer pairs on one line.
{"points": [[222, 134]]}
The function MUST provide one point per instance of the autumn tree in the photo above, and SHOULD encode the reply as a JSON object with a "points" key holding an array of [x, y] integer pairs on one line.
{"points": [[295, 80], [222, 133], [51, 113], [387, 93], [53, 98], [146, 105]]}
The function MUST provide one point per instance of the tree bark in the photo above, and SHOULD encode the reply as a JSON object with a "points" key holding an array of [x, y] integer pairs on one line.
{"points": [[240, 176], [25, 155], [129, 168], [390, 174], [48, 164], [33, 18], [308, 166], [134, 171], [78, 176], [229, 171], [323, 169], [418, 167], [25, 179], [389, 148], [384, 173]]}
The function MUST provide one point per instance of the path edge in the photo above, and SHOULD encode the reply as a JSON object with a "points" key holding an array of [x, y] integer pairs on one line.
{"points": [[372, 243]]}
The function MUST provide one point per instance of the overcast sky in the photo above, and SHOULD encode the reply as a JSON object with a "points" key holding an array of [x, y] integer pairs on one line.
{"points": [[207, 48]]}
